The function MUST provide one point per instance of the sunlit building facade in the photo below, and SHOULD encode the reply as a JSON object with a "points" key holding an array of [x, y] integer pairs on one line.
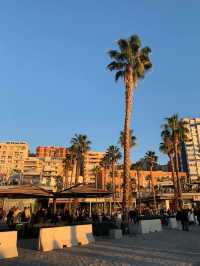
{"points": [[51, 151], [12, 157], [191, 150], [91, 159]]}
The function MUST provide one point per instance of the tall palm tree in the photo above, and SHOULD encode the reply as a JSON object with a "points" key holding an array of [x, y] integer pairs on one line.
{"points": [[66, 168], [105, 164], [113, 154], [151, 159], [69, 163], [132, 139], [130, 63], [132, 143], [96, 170], [139, 166], [167, 148], [80, 146], [73, 164], [179, 132]]}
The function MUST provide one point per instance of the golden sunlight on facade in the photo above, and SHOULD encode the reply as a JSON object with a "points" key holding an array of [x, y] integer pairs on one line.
{"points": [[12, 156]]}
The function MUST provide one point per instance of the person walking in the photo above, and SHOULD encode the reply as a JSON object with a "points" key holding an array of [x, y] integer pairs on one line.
{"points": [[198, 215], [178, 218], [191, 217], [184, 220]]}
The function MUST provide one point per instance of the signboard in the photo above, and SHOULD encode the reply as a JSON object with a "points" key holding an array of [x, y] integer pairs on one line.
{"points": [[166, 183]]}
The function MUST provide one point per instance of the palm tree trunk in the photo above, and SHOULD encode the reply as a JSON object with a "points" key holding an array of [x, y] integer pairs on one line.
{"points": [[71, 177], [96, 181], [173, 178], [74, 171], [179, 193], [77, 172], [127, 124], [82, 168], [66, 173], [103, 178], [138, 178], [113, 181], [153, 190]]}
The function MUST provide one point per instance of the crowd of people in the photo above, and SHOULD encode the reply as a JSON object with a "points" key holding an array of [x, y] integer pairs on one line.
{"points": [[184, 217]]}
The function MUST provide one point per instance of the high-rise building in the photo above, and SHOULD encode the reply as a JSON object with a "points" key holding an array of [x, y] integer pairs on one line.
{"points": [[51, 151], [91, 159], [12, 156], [43, 170], [191, 150]]}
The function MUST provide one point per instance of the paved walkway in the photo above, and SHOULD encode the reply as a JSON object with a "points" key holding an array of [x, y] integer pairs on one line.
{"points": [[170, 247]]}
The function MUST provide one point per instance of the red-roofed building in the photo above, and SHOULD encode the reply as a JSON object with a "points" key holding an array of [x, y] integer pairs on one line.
{"points": [[51, 151]]}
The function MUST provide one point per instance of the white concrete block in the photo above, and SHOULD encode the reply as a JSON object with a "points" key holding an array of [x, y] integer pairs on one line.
{"points": [[65, 236], [8, 244], [84, 233], [147, 226]]}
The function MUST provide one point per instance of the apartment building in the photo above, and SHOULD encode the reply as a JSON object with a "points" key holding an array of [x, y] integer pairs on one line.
{"points": [[51, 151], [191, 150], [12, 156], [91, 159], [32, 171], [162, 180], [52, 168]]}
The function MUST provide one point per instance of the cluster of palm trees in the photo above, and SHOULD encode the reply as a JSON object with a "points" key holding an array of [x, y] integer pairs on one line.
{"points": [[74, 161], [112, 157], [174, 134], [131, 62], [148, 162]]}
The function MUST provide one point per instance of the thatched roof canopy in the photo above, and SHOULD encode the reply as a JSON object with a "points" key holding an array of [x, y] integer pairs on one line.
{"points": [[24, 191], [82, 191]]}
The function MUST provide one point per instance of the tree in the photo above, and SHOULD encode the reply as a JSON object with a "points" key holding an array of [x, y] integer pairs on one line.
{"points": [[139, 166], [67, 165], [113, 155], [80, 146], [130, 63], [132, 143], [179, 132], [167, 148], [59, 183], [132, 139], [151, 159], [109, 186], [97, 172], [105, 164]]}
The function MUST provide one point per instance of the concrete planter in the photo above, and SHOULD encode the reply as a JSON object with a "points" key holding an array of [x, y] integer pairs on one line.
{"points": [[115, 233], [8, 245], [65, 236], [148, 226]]}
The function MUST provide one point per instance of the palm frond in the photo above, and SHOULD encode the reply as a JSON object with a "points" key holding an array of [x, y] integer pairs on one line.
{"points": [[119, 74], [116, 66], [123, 44], [146, 50], [118, 56], [135, 42], [132, 139], [130, 53]]}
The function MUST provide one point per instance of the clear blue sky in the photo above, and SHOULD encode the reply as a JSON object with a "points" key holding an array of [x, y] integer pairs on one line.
{"points": [[53, 77]]}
